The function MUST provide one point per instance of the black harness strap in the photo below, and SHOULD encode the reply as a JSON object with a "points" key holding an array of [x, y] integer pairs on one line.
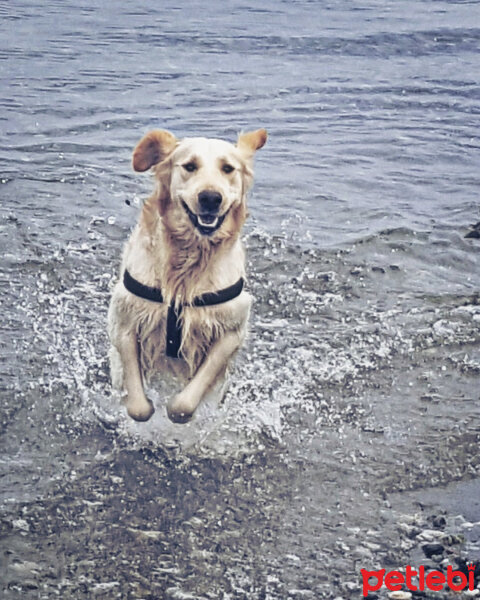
{"points": [[212, 298], [174, 331], [174, 325], [142, 291]]}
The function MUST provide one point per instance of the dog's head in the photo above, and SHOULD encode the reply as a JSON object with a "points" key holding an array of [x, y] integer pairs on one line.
{"points": [[202, 182]]}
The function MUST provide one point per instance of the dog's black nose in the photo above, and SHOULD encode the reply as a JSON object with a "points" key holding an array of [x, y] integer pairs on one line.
{"points": [[209, 201]]}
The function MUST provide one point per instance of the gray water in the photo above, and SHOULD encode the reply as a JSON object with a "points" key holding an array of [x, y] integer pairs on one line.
{"points": [[359, 383]]}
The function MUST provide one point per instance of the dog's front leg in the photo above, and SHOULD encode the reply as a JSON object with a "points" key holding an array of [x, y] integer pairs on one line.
{"points": [[182, 406], [138, 407]]}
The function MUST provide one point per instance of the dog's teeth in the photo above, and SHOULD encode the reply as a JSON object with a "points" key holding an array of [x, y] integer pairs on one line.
{"points": [[204, 224]]}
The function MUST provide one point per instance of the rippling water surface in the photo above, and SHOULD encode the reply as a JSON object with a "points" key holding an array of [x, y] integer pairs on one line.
{"points": [[360, 378]]}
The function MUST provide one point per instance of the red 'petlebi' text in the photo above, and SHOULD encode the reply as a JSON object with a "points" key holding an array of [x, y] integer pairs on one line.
{"points": [[418, 581]]}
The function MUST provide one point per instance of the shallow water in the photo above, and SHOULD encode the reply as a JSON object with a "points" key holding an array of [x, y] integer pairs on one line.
{"points": [[359, 381]]}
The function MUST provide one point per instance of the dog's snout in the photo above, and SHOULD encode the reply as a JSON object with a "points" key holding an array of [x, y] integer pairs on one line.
{"points": [[209, 201]]}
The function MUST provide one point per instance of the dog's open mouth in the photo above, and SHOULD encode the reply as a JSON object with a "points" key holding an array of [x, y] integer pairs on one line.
{"points": [[206, 223]]}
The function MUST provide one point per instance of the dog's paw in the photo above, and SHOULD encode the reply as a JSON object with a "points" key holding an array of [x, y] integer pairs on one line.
{"points": [[180, 409], [139, 410]]}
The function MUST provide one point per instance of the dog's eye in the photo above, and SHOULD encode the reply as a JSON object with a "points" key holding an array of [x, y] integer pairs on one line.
{"points": [[190, 167], [227, 168]]}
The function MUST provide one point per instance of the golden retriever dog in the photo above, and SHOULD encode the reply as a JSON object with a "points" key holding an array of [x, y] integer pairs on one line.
{"points": [[180, 306]]}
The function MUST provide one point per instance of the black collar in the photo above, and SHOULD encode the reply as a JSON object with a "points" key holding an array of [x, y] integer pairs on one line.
{"points": [[174, 327]]}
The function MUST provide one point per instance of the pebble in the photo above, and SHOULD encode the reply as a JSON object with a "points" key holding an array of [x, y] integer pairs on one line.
{"points": [[145, 535], [26, 567], [195, 522], [29, 585], [410, 530], [446, 562], [21, 524], [400, 595], [177, 594], [101, 587], [373, 546], [429, 535], [364, 553], [351, 586]]}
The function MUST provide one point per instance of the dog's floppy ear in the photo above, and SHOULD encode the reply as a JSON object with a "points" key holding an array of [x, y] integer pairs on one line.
{"points": [[250, 142], [152, 149]]}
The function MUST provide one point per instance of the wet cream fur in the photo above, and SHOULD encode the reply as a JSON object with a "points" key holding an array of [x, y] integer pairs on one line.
{"points": [[167, 251]]}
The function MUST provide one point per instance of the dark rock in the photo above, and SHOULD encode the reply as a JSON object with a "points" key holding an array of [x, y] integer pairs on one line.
{"points": [[432, 549], [439, 521], [475, 232], [29, 585]]}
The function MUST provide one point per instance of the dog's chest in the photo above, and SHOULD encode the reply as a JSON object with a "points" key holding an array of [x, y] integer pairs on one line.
{"points": [[197, 329]]}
